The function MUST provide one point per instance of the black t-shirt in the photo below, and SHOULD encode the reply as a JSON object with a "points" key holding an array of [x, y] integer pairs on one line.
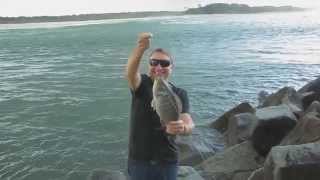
{"points": [[148, 141]]}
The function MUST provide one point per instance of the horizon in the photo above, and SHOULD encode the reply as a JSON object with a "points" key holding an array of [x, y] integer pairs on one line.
{"points": [[32, 8]]}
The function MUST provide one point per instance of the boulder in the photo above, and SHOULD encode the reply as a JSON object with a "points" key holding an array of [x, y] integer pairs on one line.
{"points": [[311, 86], [274, 112], [293, 162], [269, 133], [286, 95], [240, 128], [307, 129], [221, 124], [314, 107], [226, 165], [188, 173], [262, 96], [257, 174], [309, 97], [203, 143]]}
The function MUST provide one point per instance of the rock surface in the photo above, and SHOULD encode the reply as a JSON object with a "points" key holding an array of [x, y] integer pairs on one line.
{"points": [[240, 158], [221, 124], [202, 144], [240, 128], [288, 96], [293, 162]]}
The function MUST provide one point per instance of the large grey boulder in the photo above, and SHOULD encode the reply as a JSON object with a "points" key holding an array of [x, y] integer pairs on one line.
{"points": [[221, 124], [293, 162], [273, 112], [188, 173], [203, 143], [226, 165], [286, 95], [310, 97], [269, 133], [257, 175], [307, 129], [310, 92], [240, 128], [311, 86]]}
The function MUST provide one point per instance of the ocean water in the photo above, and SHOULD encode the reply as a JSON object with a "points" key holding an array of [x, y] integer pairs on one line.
{"points": [[64, 102]]}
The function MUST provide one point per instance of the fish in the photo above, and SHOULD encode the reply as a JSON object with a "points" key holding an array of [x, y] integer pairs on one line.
{"points": [[165, 102]]}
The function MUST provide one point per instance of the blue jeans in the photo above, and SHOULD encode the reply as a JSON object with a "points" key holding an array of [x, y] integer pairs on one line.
{"points": [[150, 170]]}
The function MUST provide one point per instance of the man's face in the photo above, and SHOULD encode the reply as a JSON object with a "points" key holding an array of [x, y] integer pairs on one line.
{"points": [[160, 65]]}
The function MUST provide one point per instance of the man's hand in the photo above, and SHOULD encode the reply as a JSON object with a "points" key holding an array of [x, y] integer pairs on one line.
{"points": [[144, 40], [175, 127]]}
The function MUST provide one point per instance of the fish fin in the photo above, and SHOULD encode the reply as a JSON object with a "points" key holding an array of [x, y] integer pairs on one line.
{"points": [[153, 105]]}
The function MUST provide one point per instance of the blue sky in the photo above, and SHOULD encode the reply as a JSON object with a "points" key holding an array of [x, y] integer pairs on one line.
{"points": [[67, 7]]}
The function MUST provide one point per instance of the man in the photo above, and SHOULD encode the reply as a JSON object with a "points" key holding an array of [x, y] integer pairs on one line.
{"points": [[153, 153]]}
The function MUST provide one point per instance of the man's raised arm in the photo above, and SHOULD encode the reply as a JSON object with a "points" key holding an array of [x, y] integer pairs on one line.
{"points": [[132, 70]]}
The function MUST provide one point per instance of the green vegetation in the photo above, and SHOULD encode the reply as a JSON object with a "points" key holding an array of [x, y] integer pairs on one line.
{"points": [[222, 8], [217, 8]]}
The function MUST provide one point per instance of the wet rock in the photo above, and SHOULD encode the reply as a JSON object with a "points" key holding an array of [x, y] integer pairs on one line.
{"points": [[274, 112], [307, 129], [293, 162], [309, 97], [240, 128], [240, 158], [221, 124], [188, 173], [311, 86], [286, 95], [257, 175], [202, 144], [314, 107], [262, 96], [101, 174], [269, 133]]}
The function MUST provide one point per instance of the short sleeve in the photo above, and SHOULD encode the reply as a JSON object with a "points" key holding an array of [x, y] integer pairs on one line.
{"points": [[185, 101], [142, 87]]}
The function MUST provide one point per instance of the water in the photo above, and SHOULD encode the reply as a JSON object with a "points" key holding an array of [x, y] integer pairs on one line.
{"points": [[64, 102]]}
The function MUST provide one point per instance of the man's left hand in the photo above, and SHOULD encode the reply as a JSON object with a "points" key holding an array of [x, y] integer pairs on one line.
{"points": [[175, 127]]}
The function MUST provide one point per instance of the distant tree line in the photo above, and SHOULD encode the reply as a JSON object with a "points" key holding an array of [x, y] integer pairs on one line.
{"points": [[217, 8], [222, 8], [84, 17]]}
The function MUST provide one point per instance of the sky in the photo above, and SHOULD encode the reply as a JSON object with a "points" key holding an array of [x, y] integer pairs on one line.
{"points": [[13, 8]]}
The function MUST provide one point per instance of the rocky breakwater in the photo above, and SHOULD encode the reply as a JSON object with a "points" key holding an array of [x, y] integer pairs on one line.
{"points": [[278, 140]]}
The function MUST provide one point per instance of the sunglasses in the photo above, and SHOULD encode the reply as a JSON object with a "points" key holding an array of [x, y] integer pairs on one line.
{"points": [[163, 63]]}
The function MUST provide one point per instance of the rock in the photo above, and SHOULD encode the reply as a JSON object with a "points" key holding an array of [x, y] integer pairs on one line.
{"points": [[221, 123], [262, 96], [257, 175], [293, 162], [309, 97], [202, 144], [188, 173], [307, 129], [225, 165], [314, 107], [288, 96], [274, 112], [100, 174], [269, 133], [311, 86], [240, 128]]}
